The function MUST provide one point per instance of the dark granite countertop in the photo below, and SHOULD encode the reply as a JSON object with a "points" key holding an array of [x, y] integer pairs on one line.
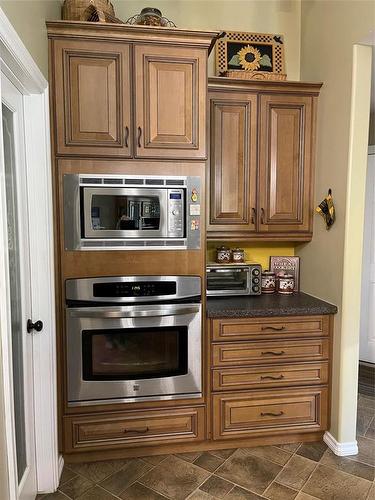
{"points": [[298, 304]]}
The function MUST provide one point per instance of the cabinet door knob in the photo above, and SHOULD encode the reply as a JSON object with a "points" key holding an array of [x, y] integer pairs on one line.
{"points": [[37, 326], [126, 137], [253, 215], [139, 137]]}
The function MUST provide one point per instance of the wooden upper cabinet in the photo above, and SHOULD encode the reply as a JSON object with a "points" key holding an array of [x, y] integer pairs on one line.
{"points": [[233, 129], [285, 156], [170, 101], [93, 98]]}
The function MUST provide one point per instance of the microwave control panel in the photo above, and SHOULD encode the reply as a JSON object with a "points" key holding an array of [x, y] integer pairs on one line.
{"points": [[176, 213]]}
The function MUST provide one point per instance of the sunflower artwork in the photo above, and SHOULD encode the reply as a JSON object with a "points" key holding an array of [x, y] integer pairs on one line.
{"points": [[251, 56]]}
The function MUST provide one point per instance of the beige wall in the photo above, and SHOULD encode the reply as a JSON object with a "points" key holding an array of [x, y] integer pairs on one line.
{"points": [[270, 16], [330, 28], [28, 18]]}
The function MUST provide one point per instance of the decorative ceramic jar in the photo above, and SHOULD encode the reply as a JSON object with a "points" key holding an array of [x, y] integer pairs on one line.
{"points": [[238, 255], [268, 282], [286, 284], [150, 16], [223, 255]]}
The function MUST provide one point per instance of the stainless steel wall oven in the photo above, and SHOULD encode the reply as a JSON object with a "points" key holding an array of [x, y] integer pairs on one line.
{"points": [[126, 211], [133, 338]]}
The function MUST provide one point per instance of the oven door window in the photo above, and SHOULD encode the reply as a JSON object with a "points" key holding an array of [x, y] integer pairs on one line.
{"points": [[124, 213], [134, 353]]}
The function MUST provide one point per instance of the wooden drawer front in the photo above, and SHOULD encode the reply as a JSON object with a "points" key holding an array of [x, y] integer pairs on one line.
{"points": [[229, 379], [262, 328], [136, 429], [246, 414], [242, 353]]}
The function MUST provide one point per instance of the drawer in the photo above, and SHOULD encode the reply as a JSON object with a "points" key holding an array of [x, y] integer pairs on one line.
{"points": [[151, 427], [269, 412], [263, 328], [230, 379], [243, 353]]}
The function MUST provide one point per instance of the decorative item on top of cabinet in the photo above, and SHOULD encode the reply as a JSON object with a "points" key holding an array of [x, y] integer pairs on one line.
{"points": [[261, 173], [149, 16], [96, 90]]}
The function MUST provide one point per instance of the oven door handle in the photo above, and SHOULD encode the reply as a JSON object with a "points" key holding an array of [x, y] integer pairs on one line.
{"points": [[129, 312]]}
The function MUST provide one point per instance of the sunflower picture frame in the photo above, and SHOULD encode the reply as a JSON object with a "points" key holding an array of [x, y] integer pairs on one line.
{"points": [[258, 56]]}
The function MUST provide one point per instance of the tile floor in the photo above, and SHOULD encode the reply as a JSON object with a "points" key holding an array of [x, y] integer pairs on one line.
{"points": [[285, 472]]}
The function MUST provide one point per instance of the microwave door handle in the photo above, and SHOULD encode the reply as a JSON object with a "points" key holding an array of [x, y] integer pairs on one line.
{"points": [[128, 312]]}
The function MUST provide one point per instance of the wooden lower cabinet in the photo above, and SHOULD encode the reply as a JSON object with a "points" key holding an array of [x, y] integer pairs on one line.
{"points": [[249, 414], [150, 427]]}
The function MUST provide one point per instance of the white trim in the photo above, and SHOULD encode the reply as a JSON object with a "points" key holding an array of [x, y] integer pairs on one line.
{"points": [[340, 449], [17, 60], [19, 67]]}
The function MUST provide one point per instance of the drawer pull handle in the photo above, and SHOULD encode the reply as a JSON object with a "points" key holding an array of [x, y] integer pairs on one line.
{"points": [[126, 137], [273, 353], [271, 377], [253, 215], [270, 414], [275, 328], [138, 431], [139, 137]]}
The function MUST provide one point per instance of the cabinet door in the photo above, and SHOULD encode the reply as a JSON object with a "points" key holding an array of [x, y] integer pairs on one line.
{"points": [[232, 195], [170, 101], [92, 96], [285, 173]]}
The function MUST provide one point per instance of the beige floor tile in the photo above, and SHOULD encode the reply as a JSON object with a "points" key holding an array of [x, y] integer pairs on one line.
{"points": [[304, 496], [97, 493], [280, 492], [58, 495], [123, 478], [174, 478], [244, 469], [371, 495], [345, 464], [296, 472], [208, 461], [312, 451], [190, 456], [370, 432], [66, 475], [366, 401], [223, 453], [200, 495], [364, 418], [216, 486], [292, 447], [328, 483], [138, 491], [240, 494], [366, 451], [272, 453], [155, 460], [97, 471], [76, 486]]}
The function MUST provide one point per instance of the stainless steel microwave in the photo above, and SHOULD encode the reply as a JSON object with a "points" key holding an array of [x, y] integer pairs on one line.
{"points": [[119, 212]]}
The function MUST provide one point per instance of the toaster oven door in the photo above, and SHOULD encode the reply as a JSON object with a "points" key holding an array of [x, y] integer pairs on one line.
{"points": [[112, 212], [228, 281]]}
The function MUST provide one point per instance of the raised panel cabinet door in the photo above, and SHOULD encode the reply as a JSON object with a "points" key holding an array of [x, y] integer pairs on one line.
{"points": [[233, 157], [170, 101], [285, 164], [92, 98]]}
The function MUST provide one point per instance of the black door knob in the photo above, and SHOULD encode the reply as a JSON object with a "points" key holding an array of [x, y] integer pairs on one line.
{"points": [[37, 326]]}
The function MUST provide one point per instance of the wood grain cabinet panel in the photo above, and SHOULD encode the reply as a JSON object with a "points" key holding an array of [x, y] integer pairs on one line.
{"points": [[151, 427], [170, 102], [244, 353], [233, 157], [248, 414], [285, 151], [264, 328], [93, 98], [229, 379]]}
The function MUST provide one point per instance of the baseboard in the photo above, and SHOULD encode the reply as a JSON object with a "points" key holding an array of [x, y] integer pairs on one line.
{"points": [[340, 449], [61, 466]]}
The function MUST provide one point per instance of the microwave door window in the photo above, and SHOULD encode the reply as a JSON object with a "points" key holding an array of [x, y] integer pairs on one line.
{"points": [[122, 215], [133, 354]]}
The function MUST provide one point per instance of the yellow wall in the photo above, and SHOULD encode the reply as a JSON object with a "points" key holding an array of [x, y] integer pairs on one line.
{"points": [[270, 16], [330, 28], [254, 252]]}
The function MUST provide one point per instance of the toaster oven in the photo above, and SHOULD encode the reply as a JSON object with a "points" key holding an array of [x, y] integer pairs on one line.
{"points": [[233, 279]]}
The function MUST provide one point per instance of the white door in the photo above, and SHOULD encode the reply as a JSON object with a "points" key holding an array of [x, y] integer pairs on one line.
{"points": [[20, 342], [367, 336]]}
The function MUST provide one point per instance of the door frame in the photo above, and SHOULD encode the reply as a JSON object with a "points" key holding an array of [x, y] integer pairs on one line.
{"points": [[19, 67]]}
